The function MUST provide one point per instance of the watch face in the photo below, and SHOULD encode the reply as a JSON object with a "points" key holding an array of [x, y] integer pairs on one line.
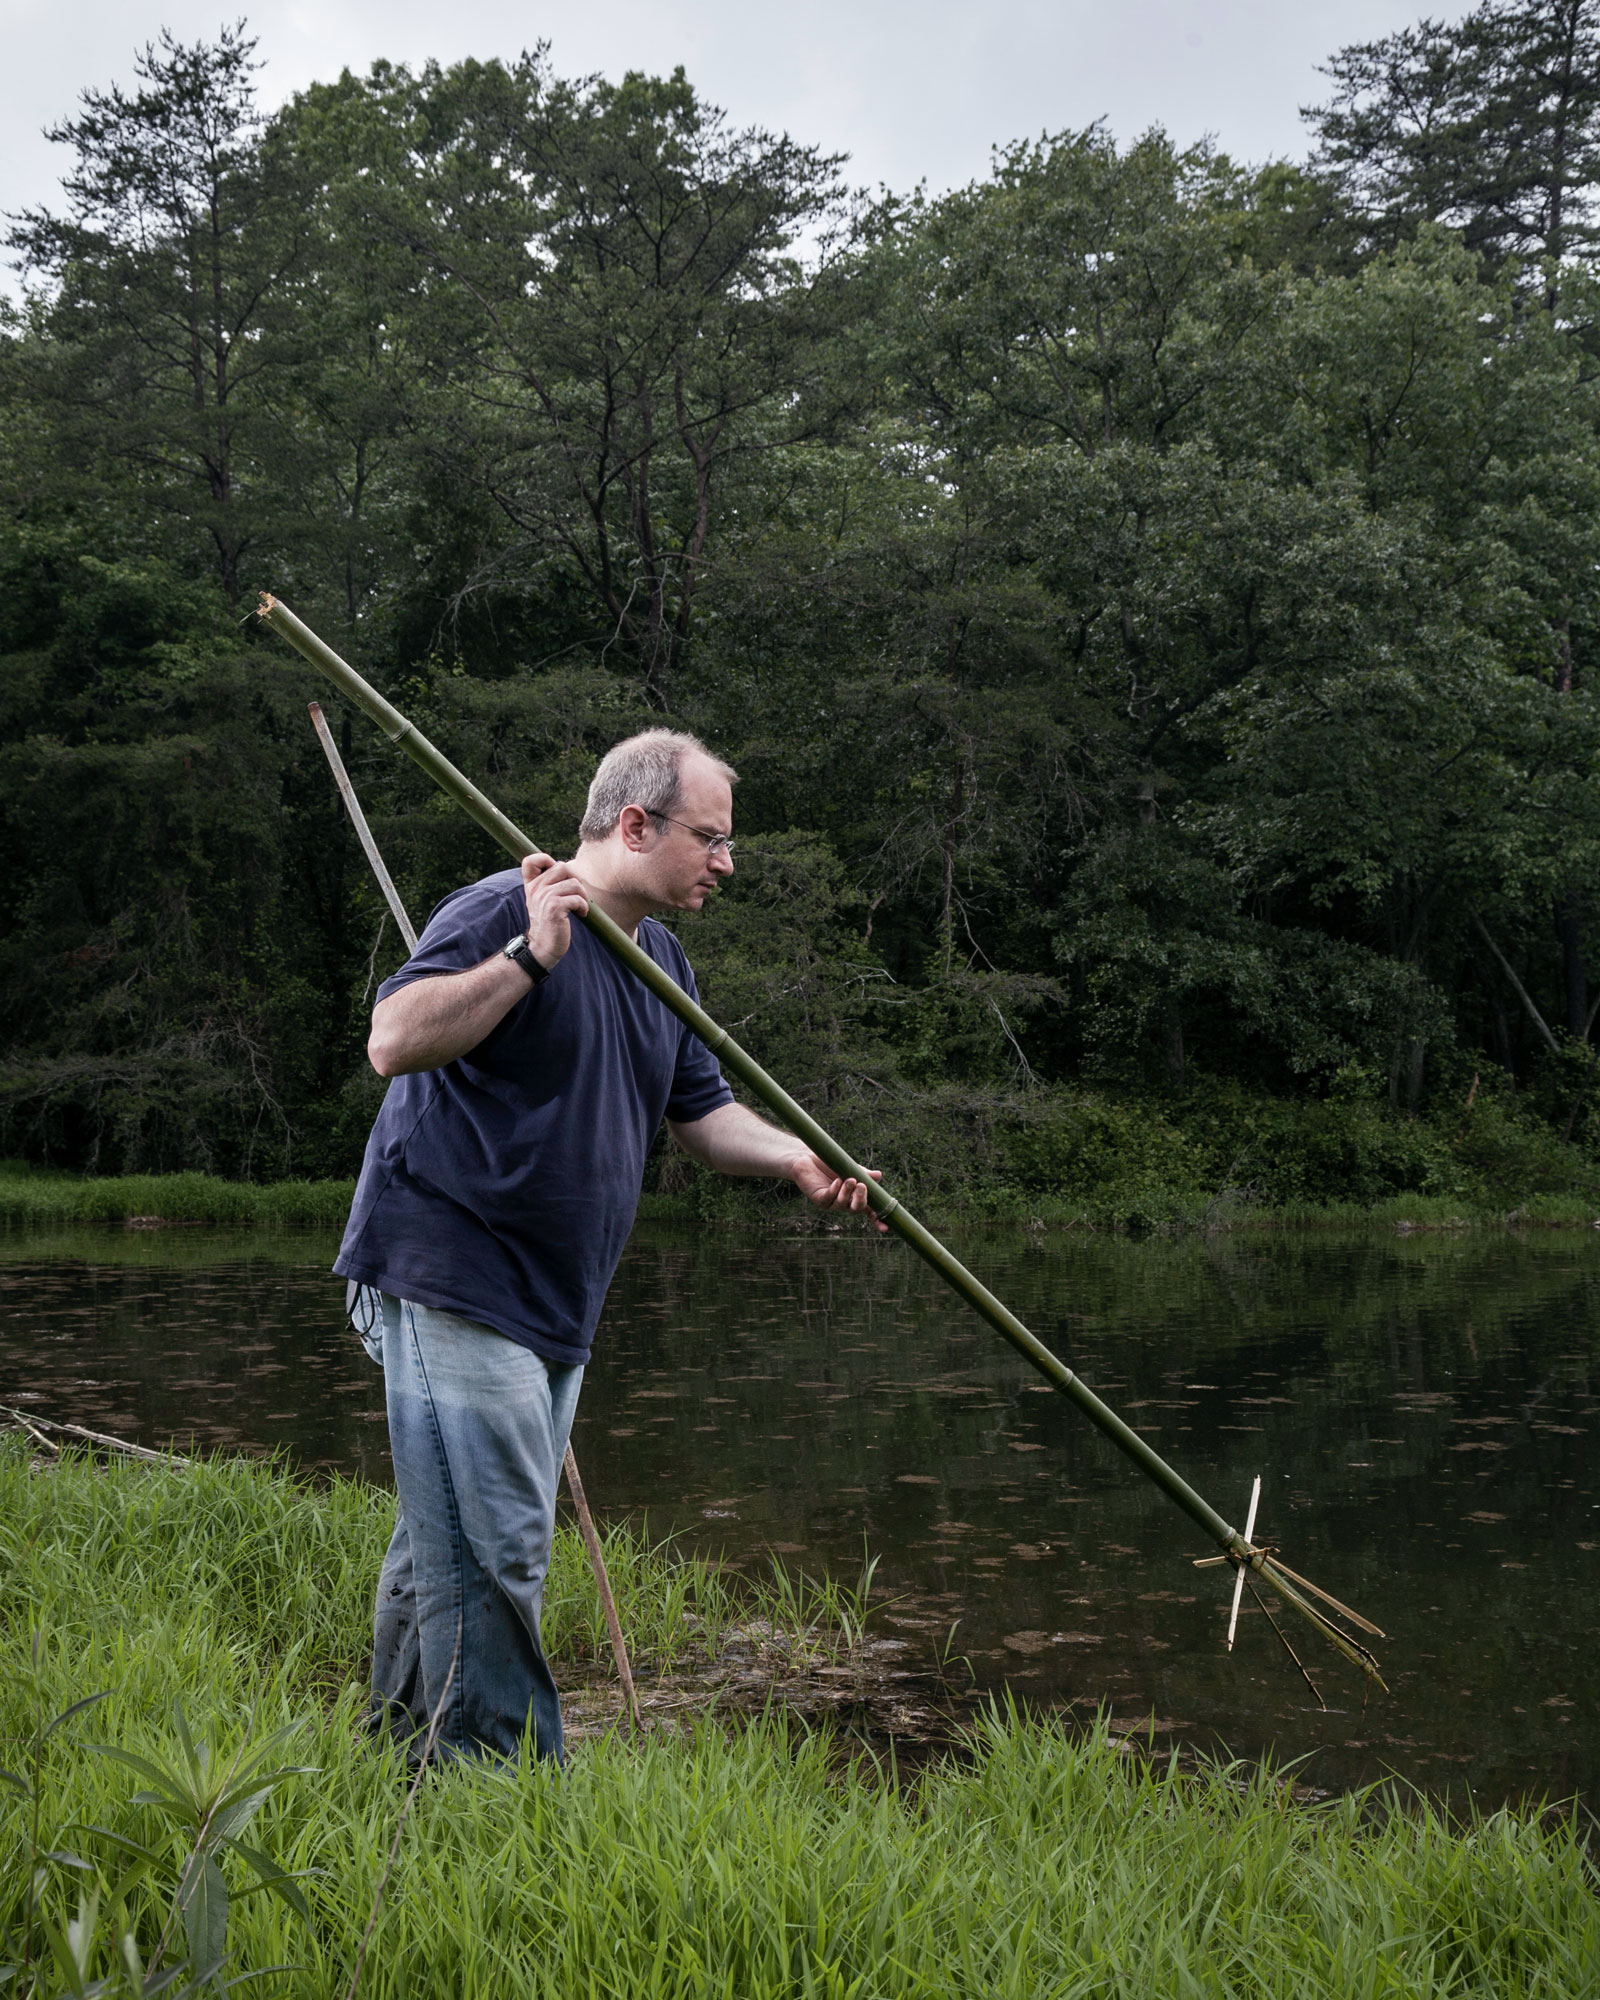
{"points": [[518, 952]]}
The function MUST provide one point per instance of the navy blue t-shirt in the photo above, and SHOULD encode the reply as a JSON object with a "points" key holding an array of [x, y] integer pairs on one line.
{"points": [[503, 1186]]}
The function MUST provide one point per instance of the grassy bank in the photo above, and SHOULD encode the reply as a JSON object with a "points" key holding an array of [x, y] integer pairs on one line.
{"points": [[1218, 1157], [710, 1860], [167, 1201], [34, 1200]]}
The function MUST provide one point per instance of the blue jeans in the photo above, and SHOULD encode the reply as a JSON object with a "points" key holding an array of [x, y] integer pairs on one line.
{"points": [[478, 1427]]}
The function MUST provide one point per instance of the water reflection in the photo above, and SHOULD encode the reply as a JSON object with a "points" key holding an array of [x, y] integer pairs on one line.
{"points": [[1420, 1407]]}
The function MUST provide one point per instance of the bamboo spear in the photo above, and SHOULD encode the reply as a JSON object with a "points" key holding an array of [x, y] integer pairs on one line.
{"points": [[1237, 1549], [580, 1500]]}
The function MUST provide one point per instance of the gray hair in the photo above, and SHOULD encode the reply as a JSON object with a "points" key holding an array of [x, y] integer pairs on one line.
{"points": [[644, 770]]}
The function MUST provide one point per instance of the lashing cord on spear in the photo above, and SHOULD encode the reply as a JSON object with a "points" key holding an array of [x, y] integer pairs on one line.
{"points": [[1237, 1550]]}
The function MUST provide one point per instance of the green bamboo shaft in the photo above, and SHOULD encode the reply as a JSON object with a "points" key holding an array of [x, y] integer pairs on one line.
{"points": [[744, 1066]]}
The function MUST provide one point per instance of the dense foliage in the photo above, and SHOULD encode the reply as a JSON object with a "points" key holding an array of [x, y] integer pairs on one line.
{"points": [[1154, 604]]}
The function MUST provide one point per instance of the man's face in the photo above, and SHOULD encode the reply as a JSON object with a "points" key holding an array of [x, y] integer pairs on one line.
{"points": [[681, 873]]}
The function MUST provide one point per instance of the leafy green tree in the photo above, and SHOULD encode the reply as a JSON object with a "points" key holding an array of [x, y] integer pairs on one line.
{"points": [[142, 850], [605, 276], [166, 326], [1379, 546], [1082, 295]]}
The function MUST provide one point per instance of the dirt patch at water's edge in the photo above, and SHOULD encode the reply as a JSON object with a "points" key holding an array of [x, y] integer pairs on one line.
{"points": [[875, 1708], [865, 1695]]}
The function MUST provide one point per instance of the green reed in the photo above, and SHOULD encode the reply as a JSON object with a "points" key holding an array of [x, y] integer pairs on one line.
{"points": [[736, 1861]]}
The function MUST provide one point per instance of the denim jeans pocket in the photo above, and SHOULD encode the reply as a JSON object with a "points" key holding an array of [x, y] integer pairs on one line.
{"points": [[363, 1307]]}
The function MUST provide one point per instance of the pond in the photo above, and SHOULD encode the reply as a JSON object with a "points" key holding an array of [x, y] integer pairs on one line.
{"points": [[1420, 1408]]}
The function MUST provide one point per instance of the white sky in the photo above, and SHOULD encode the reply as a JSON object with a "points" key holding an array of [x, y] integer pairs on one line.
{"points": [[911, 89]]}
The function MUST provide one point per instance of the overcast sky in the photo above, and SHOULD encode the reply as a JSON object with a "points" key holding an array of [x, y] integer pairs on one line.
{"points": [[911, 89]]}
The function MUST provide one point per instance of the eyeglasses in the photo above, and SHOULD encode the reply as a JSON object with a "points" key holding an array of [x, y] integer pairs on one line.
{"points": [[716, 843]]}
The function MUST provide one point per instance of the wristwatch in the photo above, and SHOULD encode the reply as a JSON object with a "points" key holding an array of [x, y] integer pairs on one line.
{"points": [[518, 953]]}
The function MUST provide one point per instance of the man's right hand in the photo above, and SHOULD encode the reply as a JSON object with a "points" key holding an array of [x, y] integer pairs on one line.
{"points": [[434, 1020], [554, 897]]}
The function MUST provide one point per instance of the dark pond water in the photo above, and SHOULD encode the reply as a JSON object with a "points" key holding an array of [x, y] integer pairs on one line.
{"points": [[1422, 1410]]}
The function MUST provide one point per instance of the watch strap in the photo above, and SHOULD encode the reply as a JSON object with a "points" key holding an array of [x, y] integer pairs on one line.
{"points": [[519, 954]]}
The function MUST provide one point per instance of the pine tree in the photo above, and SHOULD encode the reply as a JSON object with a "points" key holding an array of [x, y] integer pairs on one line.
{"points": [[166, 281], [1490, 126]]}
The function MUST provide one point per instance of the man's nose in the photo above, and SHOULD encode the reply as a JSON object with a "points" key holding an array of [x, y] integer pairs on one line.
{"points": [[721, 861]]}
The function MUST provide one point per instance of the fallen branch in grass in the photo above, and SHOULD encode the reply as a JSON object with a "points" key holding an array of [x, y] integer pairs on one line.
{"points": [[34, 1425]]}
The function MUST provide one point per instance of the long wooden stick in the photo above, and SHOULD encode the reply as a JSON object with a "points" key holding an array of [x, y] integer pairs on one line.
{"points": [[591, 1539], [171, 1458], [401, 732], [608, 1605], [358, 819]]}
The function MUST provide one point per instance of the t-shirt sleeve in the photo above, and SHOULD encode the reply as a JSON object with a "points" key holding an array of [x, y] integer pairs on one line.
{"points": [[466, 928], [698, 1085]]}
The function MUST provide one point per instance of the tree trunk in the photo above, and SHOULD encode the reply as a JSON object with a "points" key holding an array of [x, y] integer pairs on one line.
{"points": [[1555, 219], [1569, 924], [1146, 798], [1172, 1036], [1505, 1053], [1416, 1071], [1574, 980], [947, 914]]}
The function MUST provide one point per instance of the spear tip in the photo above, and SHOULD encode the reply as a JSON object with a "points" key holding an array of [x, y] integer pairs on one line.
{"points": [[268, 603]]}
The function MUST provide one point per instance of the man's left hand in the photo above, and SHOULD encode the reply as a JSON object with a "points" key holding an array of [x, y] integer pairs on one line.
{"points": [[733, 1140], [817, 1181]]}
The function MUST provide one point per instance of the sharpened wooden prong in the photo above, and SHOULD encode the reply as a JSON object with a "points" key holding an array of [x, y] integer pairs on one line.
{"points": [[1238, 1581]]}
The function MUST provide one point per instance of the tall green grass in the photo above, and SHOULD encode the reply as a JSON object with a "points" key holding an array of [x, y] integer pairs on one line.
{"points": [[56, 1201], [739, 1863], [233, 1574]]}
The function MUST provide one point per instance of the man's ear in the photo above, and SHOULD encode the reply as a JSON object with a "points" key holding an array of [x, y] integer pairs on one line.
{"points": [[633, 823]]}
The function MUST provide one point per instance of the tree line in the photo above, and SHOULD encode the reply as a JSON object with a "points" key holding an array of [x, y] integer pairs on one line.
{"points": [[1151, 600]]}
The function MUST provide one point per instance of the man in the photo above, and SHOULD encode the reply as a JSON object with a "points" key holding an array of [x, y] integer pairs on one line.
{"points": [[531, 1074]]}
